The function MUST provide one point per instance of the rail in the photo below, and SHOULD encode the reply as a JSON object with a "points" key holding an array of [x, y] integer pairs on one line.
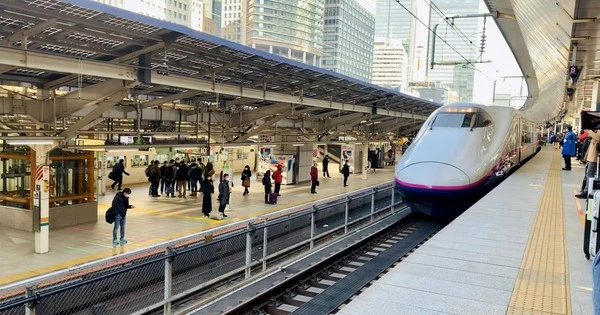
{"points": [[155, 277]]}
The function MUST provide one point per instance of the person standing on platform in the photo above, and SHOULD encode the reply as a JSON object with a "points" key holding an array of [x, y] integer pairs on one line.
{"points": [[346, 172], [195, 178], [154, 179], [224, 192], [314, 178], [246, 175], [120, 204], [170, 175], [326, 166], [266, 181], [163, 177], [568, 148], [183, 177], [207, 190], [278, 178], [118, 171]]}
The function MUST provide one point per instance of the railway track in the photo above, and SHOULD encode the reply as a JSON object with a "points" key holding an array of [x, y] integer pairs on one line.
{"points": [[324, 287]]}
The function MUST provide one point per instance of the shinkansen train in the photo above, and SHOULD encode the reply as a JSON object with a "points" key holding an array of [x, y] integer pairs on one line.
{"points": [[461, 150]]}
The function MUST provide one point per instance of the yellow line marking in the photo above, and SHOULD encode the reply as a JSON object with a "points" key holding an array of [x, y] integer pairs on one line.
{"points": [[210, 223], [542, 285]]}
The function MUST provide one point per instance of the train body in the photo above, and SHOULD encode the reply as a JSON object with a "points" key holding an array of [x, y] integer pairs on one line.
{"points": [[459, 153]]}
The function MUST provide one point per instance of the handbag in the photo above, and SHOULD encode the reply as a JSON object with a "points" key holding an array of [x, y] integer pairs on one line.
{"points": [[246, 182], [111, 175], [317, 183]]}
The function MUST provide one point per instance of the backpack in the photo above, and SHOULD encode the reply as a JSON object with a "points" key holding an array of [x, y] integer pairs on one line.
{"points": [[147, 171], [110, 215]]}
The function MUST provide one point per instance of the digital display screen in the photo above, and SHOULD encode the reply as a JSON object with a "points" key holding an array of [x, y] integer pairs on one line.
{"points": [[590, 120]]}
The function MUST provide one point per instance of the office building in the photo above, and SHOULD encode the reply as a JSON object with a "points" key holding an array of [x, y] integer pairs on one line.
{"points": [[292, 29], [389, 64], [348, 38]]}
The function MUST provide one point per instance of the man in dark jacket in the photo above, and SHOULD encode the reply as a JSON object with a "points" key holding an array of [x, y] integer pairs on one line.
{"points": [[183, 176], [117, 174], [326, 166], [154, 179], [346, 172], [120, 204], [163, 177]]}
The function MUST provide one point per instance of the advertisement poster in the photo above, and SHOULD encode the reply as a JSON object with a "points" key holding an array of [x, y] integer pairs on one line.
{"points": [[348, 154]]}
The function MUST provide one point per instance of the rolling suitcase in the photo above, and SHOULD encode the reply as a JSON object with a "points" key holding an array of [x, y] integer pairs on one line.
{"points": [[273, 198], [591, 243]]}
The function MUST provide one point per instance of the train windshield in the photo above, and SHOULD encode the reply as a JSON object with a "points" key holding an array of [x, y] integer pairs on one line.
{"points": [[462, 117]]}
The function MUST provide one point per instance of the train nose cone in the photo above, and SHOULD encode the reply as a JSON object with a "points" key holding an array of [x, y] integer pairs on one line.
{"points": [[433, 175]]}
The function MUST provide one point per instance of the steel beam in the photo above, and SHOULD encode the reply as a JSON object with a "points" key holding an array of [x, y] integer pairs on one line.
{"points": [[71, 102], [262, 127], [335, 122], [102, 107], [170, 98], [19, 58], [36, 29], [217, 69]]}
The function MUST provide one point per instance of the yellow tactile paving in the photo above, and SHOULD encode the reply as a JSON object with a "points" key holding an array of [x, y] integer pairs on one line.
{"points": [[542, 284]]}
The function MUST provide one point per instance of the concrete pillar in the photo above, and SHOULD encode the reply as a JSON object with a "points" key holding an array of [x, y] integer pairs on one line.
{"points": [[289, 53], [41, 197], [270, 49], [365, 159], [595, 104], [100, 166], [315, 61], [304, 56]]}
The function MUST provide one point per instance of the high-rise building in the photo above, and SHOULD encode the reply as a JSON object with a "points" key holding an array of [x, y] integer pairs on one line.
{"points": [[191, 13], [463, 37], [292, 29], [233, 20], [390, 64], [394, 21], [348, 38]]}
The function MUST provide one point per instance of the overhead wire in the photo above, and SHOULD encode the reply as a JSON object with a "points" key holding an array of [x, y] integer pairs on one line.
{"points": [[455, 28], [434, 33]]}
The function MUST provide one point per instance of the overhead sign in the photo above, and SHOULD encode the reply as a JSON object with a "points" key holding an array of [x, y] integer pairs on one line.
{"points": [[574, 72]]}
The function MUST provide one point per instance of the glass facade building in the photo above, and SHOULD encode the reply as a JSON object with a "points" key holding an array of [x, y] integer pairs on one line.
{"points": [[289, 28], [348, 38], [393, 22]]}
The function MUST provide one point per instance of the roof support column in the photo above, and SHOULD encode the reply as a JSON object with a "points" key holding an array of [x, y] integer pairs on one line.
{"points": [[41, 198]]}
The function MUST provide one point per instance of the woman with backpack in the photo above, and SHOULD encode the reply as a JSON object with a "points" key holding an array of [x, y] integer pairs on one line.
{"points": [[246, 175]]}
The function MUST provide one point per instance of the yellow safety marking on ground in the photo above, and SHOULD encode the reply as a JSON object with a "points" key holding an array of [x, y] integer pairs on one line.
{"points": [[542, 286], [580, 210], [211, 223]]}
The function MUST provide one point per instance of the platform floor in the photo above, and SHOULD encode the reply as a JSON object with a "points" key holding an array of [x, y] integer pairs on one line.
{"points": [[154, 220], [516, 251]]}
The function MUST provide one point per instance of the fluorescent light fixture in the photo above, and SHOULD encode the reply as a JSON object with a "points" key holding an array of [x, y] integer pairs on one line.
{"points": [[28, 141], [298, 144]]}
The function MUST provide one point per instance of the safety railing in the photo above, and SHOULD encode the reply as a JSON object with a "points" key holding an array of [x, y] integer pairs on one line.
{"points": [[153, 278]]}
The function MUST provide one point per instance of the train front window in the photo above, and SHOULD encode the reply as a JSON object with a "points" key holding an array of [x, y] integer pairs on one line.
{"points": [[456, 120]]}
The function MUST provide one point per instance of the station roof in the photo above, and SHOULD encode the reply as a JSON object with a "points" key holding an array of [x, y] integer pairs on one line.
{"points": [[90, 31]]}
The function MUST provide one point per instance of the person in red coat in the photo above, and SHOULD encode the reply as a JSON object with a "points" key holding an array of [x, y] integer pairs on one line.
{"points": [[278, 178], [314, 179]]}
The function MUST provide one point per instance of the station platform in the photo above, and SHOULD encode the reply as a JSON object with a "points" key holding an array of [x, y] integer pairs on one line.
{"points": [[155, 220], [516, 251]]}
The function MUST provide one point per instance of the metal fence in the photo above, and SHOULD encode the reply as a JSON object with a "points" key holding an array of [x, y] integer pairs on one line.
{"points": [[153, 278]]}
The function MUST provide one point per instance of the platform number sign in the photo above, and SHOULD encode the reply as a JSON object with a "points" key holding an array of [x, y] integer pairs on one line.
{"points": [[574, 72]]}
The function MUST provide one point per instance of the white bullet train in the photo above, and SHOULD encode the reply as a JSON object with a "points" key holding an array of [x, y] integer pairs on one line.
{"points": [[461, 150]]}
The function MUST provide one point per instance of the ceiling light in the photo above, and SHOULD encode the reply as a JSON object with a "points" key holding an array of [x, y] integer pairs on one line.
{"points": [[122, 150], [28, 141], [298, 144]]}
